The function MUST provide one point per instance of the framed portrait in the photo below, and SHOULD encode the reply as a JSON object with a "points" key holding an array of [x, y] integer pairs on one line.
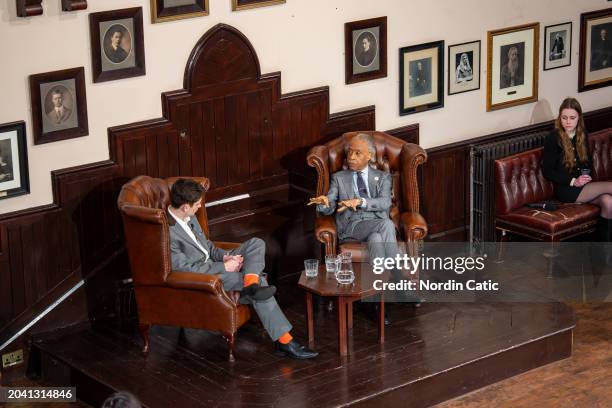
{"points": [[117, 45], [595, 69], [512, 66], [249, 4], [421, 77], [59, 105], [168, 10], [557, 46], [463, 67], [365, 50], [14, 178]]}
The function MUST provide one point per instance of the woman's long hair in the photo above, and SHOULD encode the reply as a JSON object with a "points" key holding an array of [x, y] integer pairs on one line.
{"points": [[569, 160]]}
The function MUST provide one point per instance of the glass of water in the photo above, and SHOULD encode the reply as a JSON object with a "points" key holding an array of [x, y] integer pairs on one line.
{"points": [[585, 172], [345, 274], [311, 266], [331, 263]]}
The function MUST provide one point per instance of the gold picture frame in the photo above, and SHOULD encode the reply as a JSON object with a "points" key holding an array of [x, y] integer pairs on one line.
{"points": [[512, 66], [250, 4]]}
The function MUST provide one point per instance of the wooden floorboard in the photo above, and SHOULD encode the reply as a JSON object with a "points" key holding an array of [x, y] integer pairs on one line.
{"points": [[188, 367]]}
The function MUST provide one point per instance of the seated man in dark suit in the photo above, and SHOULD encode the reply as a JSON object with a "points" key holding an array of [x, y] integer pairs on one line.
{"points": [[361, 198], [238, 269]]}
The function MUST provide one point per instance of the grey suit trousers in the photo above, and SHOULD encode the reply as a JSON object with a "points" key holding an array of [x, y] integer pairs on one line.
{"points": [[270, 314]]}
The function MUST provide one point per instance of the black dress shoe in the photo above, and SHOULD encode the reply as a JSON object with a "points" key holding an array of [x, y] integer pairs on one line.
{"points": [[256, 293], [294, 350]]}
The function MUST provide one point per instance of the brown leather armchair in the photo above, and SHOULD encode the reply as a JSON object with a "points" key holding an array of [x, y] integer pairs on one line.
{"points": [[165, 296], [393, 155]]}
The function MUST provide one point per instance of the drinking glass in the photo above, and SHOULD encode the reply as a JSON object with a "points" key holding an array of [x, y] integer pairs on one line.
{"points": [[345, 274], [331, 263], [585, 172], [311, 266]]}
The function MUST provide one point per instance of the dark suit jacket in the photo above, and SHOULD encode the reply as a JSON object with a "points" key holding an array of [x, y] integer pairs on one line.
{"points": [[187, 257], [554, 170]]}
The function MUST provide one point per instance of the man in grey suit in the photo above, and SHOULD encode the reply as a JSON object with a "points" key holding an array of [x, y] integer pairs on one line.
{"points": [[239, 269], [362, 198]]}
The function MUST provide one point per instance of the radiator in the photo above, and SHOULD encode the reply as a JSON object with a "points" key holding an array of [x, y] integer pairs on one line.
{"points": [[482, 181]]}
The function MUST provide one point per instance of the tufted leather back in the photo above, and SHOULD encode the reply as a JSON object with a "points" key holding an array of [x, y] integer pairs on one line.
{"points": [[519, 181], [401, 159], [600, 147], [143, 202]]}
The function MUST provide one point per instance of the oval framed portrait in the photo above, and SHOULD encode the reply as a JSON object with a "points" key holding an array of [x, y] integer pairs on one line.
{"points": [[117, 43], [365, 49]]}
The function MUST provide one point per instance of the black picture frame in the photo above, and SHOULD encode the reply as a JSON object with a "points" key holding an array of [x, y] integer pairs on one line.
{"points": [[373, 31], [127, 59], [49, 126], [475, 51], [161, 12], [13, 146], [250, 4], [560, 61], [426, 91], [591, 73]]}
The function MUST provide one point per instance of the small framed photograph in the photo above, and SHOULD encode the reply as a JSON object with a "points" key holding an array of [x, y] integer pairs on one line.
{"points": [[169, 10], [249, 4], [595, 69], [512, 66], [14, 178], [117, 44], [59, 105], [421, 77], [365, 50], [463, 67], [557, 46]]}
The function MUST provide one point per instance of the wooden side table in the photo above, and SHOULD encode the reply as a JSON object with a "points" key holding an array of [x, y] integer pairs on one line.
{"points": [[325, 284]]}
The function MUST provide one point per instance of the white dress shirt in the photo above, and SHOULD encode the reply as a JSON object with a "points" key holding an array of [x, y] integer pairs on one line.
{"points": [[187, 228]]}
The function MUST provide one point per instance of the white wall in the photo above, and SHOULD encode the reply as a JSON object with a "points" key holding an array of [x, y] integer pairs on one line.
{"points": [[304, 39]]}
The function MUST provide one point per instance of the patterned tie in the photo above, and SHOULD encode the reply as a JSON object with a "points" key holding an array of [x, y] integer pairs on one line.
{"points": [[361, 186]]}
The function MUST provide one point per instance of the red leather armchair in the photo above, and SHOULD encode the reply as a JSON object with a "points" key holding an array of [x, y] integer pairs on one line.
{"points": [[393, 155], [165, 296], [519, 181]]}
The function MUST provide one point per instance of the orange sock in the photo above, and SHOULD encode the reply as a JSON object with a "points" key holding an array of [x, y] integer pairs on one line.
{"points": [[285, 338], [250, 279]]}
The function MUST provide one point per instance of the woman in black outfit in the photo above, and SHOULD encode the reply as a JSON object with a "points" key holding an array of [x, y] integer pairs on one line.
{"points": [[567, 163]]}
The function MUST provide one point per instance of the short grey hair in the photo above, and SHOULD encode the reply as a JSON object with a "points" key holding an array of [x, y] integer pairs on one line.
{"points": [[371, 147]]}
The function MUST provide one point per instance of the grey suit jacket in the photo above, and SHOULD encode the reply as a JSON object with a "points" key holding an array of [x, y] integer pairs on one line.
{"points": [[341, 188], [187, 257]]}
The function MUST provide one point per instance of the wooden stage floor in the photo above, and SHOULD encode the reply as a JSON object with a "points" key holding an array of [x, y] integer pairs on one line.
{"points": [[430, 354]]}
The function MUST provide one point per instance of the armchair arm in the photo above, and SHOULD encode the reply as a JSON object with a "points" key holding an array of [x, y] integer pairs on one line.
{"points": [[317, 158], [226, 245], [325, 231], [412, 156], [197, 281], [413, 225]]}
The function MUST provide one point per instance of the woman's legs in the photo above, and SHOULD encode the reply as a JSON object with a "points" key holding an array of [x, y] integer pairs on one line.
{"points": [[600, 194]]}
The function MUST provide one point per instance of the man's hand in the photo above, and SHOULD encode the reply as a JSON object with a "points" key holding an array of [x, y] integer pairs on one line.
{"points": [[322, 200], [233, 263], [352, 204]]}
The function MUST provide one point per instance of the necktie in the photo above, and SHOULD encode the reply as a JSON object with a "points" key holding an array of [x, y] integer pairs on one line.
{"points": [[361, 186]]}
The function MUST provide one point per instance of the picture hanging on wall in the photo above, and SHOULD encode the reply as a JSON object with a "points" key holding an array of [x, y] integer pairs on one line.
{"points": [[117, 44], [595, 69], [59, 105], [14, 180], [421, 77], [365, 50], [169, 10], [249, 4], [557, 46], [512, 66], [463, 67]]}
